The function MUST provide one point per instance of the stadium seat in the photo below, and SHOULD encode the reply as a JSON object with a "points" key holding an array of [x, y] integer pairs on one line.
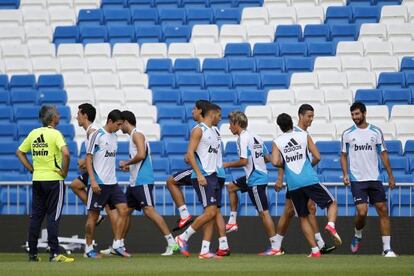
{"points": [[356, 64], [194, 3], [223, 96], [217, 80], [270, 65], [309, 15], [391, 80], [369, 96], [350, 49], [148, 34], [407, 64], [316, 49], [176, 148], [304, 81], [205, 33], [293, 49], [274, 81], [281, 15], [298, 64], [338, 15], [316, 33], [226, 15], [409, 151], [277, 97], [242, 65], [176, 33], [90, 17], [344, 32], [117, 16], [170, 114], [312, 96], [365, 15], [190, 96], [105, 4], [215, 65], [328, 64], [237, 50], [329, 149], [153, 50], [258, 114], [6, 114], [232, 34], [363, 80], [377, 113], [56, 97], [266, 50], [208, 50], [162, 65], [288, 33], [372, 32], [393, 97], [200, 16], [252, 97], [394, 147], [189, 80], [121, 34], [93, 34], [66, 34], [171, 16], [166, 96], [171, 131], [187, 65]]}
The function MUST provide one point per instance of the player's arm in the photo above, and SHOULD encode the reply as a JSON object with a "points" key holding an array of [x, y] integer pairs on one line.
{"points": [[385, 160], [316, 156], [139, 140], [82, 162], [65, 161], [243, 161], [21, 153], [195, 138], [235, 164], [277, 160], [279, 180], [89, 163], [344, 161]]}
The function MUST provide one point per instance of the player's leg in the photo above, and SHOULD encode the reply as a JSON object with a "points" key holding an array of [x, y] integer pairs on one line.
{"points": [[173, 185], [360, 195], [239, 184], [91, 219], [224, 249], [38, 214], [284, 222], [315, 226], [117, 198], [78, 187], [208, 229]]}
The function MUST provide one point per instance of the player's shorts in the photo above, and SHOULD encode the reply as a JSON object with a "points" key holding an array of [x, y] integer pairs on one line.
{"points": [[140, 196], [183, 178], [363, 191], [287, 194], [221, 182], [84, 178], [241, 183], [111, 195], [258, 196], [211, 193], [317, 192]]}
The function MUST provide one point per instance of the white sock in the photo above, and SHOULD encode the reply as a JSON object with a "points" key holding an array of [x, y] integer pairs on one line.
{"points": [[319, 240], [88, 248], [205, 247], [315, 249], [183, 212], [358, 233], [331, 224], [232, 218], [386, 242], [170, 239], [276, 242], [187, 234], [122, 243], [116, 244], [223, 245]]}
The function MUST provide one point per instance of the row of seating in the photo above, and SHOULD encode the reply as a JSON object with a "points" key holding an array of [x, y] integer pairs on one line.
{"points": [[9, 4], [44, 82], [178, 3]]}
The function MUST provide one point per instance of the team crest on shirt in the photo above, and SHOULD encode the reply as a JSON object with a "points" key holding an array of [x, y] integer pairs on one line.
{"points": [[212, 199], [372, 138]]}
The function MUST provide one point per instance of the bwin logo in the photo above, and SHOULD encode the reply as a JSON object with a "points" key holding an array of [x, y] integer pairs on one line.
{"points": [[110, 153], [258, 154], [212, 150], [363, 147]]}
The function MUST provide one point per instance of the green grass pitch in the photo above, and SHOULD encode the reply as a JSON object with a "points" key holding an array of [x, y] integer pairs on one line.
{"points": [[244, 264]]}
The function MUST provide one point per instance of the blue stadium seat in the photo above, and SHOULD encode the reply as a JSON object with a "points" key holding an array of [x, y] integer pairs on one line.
{"points": [[329, 167], [18, 82], [230, 150], [329, 149], [366, 15], [407, 64], [215, 65], [160, 165], [121, 34], [226, 16], [90, 17], [4, 82], [6, 114], [391, 80], [189, 80], [399, 164], [237, 50], [369, 96], [4, 96], [274, 81], [199, 16], [409, 79], [25, 97], [344, 32], [409, 150], [266, 50], [217, 80], [144, 16], [177, 164], [316, 49], [270, 65], [64, 112], [298, 64], [246, 81], [338, 15], [159, 65], [226, 96], [117, 16], [161, 4], [66, 34], [171, 96], [93, 34], [316, 33], [187, 65], [57, 97], [8, 132], [139, 4], [176, 34], [293, 49], [8, 149], [252, 97], [157, 148], [221, 3], [288, 33], [73, 148], [360, 2], [108, 4], [381, 3], [148, 34], [247, 3], [68, 131], [171, 16], [9, 4], [53, 82], [10, 164], [392, 97], [190, 96], [161, 80], [226, 109], [194, 3], [123, 148], [176, 148], [26, 113], [242, 65], [394, 147]]}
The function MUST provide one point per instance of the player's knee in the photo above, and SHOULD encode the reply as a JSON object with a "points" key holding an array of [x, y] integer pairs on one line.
{"points": [[312, 208], [382, 209], [210, 212], [231, 188], [75, 185], [170, 182], [123, 210], [362, 211]]}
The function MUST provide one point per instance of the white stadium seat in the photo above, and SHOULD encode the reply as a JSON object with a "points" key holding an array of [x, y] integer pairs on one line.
{"points": [[254, 16], [125, 50], [153, 50], [77, 80], [45, 65], [402, 113], [377, 48], [277, 3], [290, 109], [259, 114], [232, 34], [400, 32], [330, 3], [60, 3], [350, 48], [18, 66], [42, 50], [208, 50], [105, 80], [33, 4], [309, 15], [340, 113], [328, 64], [356, 64], [11, 18], [137, 95], [335, 96], [304, 81], [12, 35], [388, 130], [36, 17], [260, 34], [404, 131], [361, 80], [377, 113], [281, 16], [373, 32], [38, 34], [129, 65], [394, 14], [77, 96], [70, 50], [305, 3], [311, 96], [15, 51], [205, 34], [332, 80], [73, 65], [62, 16], [109, 95], [97, 50], [403, 48], [322, 131], [384, 64], [101, 65], [267, 131], [321, 114], [181, 50], [280, 96], [133, 80], [145, 113]]}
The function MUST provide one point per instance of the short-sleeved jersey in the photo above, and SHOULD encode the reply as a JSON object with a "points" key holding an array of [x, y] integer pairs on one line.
{"points": [[363, 146], [142, 172], [221, 173], [252, 148], [207, 150], [293, 147], [45, 144], [103, 147]]}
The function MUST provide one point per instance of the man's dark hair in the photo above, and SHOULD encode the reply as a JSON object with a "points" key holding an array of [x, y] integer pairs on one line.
{"points": [[129, 117], [304, 108], [284, 121], [358, 105], [114, 115], [202, 104], [89, 110], [215, 107]]}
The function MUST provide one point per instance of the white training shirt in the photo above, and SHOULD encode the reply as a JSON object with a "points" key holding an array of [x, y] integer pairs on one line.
{"points": [[141, 173], [363, 146], [103, 147], [220, 170]]}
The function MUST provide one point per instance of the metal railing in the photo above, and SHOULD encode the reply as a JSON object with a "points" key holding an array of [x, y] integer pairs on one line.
{"points": [[16, 199]]}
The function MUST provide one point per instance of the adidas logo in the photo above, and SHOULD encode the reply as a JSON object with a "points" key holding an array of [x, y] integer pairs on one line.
{"points": [[292, 145], [39, 142]]}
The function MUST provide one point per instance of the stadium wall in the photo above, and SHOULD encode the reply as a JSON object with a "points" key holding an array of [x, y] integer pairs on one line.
{"points": [[145, 238]]}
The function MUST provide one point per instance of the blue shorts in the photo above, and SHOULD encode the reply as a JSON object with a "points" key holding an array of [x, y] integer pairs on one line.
{"points": [[211, 193], [241, 183], [317, 192], [183, 178], [84, 178], [257, 194], [140, 196], [111, 195], [368, 190]]}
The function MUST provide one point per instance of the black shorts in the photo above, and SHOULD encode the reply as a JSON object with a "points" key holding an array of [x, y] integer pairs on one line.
{"points": [[287, 194], [84, 178], [258, 196], [368, 190], [110, 194], [211, 193], [221, 182], [183, 178], [241, 183], [140, 196], [317, 192]]}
